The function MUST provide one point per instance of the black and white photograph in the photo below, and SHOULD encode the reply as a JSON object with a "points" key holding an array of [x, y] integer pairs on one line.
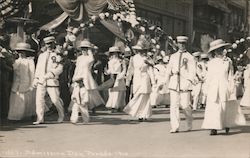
{"points": [[124, 78]]}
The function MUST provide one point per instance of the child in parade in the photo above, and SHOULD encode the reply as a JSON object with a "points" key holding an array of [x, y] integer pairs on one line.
{"points": [[85, 95]]}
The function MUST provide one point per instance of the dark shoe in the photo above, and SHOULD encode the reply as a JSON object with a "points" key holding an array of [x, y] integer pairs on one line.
{"points": [[174, 131], [140, 119], [112, 110], [227, 130], [93, 111], [213, 132]]}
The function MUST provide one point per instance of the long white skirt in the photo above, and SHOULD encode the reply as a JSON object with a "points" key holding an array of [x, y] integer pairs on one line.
{"points": [[22, 105], [219, 115], [159, 99], [116, 99], [95, 99], [245, 101], [139, 106]]}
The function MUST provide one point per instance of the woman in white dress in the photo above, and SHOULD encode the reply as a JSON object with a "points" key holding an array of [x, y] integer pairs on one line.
{"points": [[160, 95], [117, 70], [85, 95], [245, 101], [139, 106], [218, 113], [22, 98]]}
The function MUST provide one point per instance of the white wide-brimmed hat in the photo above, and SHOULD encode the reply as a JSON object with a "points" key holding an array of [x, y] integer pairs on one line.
{"points": [[196, 54], [85, 44], [23, 47], [114, 49], [216, 44], [204, 56], [182, 39]]}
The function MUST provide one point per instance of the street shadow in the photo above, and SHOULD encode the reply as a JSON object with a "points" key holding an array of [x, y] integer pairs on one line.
{"points": [[34, 126], [111, 121], [240, 130]]}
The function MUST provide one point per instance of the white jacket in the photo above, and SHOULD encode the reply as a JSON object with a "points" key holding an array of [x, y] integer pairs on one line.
{"points": [[47, 69], [187, 71]]}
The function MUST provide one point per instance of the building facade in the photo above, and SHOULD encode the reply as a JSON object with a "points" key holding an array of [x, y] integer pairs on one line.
{"points": [[175, 17], [226, 19]]}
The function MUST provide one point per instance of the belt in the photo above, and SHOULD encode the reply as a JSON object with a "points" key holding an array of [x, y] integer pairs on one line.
{"points": [[180, 90]]}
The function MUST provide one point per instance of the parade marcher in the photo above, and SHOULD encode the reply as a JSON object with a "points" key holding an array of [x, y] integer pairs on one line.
{"points": [[218, 113], [129, 76], [6, 70], [143, 80], [127, 57], [196, 90], [160, 95], [22, 98], [117, 69], [65, 78], [85, 94], [181, 70], [245, 101], [203, 63], [48, 69], [238, 79]]}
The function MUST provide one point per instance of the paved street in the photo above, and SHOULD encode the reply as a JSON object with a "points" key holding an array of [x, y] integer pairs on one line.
{"points": [[115, 135]]}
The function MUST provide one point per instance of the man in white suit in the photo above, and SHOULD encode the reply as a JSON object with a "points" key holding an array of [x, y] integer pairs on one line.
{"points": [[181, 72], [47, 73]]}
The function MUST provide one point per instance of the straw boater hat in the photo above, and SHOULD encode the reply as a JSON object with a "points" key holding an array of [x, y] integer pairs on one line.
{"points": [[49, 39], [114, 49], [138, 46], [196, 54], [85, 44], [216, 44], [204, 56], [23, 47], [182, 39]]}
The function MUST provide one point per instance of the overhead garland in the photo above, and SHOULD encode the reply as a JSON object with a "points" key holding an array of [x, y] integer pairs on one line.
{"points": [[125, 18]]}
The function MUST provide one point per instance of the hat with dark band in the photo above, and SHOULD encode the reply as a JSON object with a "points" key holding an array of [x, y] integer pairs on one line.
{"points": [[216, 44], [182, 39], [23, 47], [49, 39]]}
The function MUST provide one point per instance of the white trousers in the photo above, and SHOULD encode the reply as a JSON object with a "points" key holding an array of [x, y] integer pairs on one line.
{"points": [[54, 95], [76, 108], [196, 95], [177, 100]]}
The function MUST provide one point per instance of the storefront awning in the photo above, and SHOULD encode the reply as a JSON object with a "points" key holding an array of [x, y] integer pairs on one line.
{"points": [[218, 4]]}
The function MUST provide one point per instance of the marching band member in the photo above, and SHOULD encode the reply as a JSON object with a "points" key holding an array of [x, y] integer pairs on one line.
{"points": [[85, 94], [143, 79], [181, 71], [196, 90], [47, 73], [22, 97], [117, 69]]}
